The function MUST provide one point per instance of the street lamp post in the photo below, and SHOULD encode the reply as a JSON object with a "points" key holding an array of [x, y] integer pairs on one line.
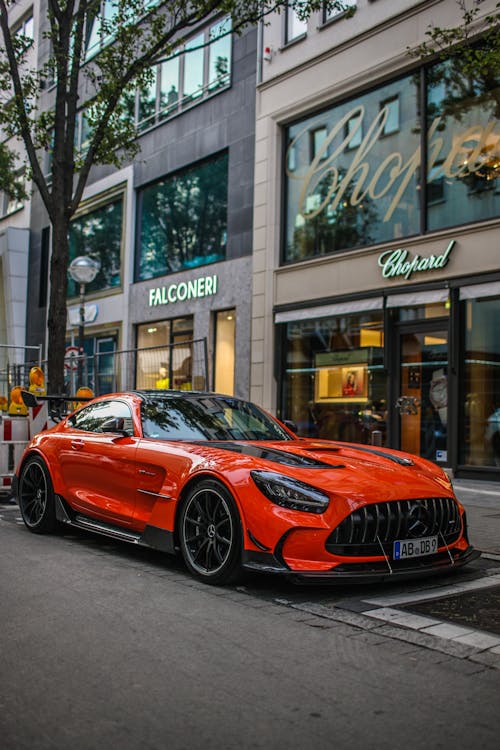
{"points": [[82, 270]]}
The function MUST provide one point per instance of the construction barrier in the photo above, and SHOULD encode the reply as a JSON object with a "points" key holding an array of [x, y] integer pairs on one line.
{"points": [[15, 434]]}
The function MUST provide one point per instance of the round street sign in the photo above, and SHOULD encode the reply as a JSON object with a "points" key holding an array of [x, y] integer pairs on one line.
{"points": [[71, 358]]}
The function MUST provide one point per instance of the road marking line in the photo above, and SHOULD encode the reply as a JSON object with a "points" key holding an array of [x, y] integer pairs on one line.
{"points": [[476, 491]]}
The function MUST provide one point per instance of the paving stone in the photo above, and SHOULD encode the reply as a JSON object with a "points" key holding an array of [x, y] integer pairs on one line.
{"points": [[445, 630], [480, 640]]}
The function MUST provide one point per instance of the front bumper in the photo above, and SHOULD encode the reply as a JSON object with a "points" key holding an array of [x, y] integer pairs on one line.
{"points": [[365, 572]]}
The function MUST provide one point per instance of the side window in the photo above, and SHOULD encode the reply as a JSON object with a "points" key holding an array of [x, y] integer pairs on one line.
{"points": [[91, 418]]}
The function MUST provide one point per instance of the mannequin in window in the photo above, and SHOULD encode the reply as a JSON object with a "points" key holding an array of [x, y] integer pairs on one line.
{"points": [[163, 381]]}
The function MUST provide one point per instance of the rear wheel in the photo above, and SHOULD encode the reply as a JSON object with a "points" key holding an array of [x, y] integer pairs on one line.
{"points": [[210, 533], [36, 497]]}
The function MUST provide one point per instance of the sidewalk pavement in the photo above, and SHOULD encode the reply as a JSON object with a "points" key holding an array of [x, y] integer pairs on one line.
{"points": [[482, 504]]}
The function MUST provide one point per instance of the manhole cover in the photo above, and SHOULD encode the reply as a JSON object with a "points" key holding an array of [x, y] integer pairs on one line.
{"points": [[480, 609]]}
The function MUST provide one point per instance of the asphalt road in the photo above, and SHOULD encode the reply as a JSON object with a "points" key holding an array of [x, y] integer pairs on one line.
{"points": [[104, 645]]}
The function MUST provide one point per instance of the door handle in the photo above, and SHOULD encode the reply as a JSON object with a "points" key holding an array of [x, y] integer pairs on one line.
{"points": [[77, 445], [147, 473]]}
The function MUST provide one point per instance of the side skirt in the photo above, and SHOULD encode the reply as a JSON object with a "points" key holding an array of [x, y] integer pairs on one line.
{"points": [[152, 536]]}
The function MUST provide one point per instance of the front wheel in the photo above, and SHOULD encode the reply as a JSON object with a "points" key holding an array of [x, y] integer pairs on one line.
{"points": [[36, 497], [210, 533]]}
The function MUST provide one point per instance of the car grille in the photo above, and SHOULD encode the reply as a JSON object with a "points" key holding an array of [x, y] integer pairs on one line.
{"points": [[371, 527]]}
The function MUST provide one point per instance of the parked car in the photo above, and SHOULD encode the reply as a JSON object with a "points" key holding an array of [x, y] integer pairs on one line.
{"points": [[229, 487]]}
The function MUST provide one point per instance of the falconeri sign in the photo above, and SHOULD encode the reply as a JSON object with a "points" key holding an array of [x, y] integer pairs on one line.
{"points": [[205, 286], [400, 262]]}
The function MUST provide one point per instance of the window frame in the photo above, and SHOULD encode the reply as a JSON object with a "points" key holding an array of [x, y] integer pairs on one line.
{"points": [[290, 16]]}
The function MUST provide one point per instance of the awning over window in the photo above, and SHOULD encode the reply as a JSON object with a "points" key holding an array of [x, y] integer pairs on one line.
{"points": [[417, 298], [327, 311], [476, 291]]}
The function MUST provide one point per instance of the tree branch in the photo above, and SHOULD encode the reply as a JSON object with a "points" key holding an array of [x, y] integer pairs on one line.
{"points": [[24, 120]]}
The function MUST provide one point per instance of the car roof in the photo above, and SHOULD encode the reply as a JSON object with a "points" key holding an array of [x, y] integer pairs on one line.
{"points": [[147, 395]]}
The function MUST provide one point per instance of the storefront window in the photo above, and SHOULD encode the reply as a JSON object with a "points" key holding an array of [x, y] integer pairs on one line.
{"points": [[165, 354], [362, 183], [481, 396], [183, 220], [98, 234], [464, 146], [335, 385], [225, 330]]}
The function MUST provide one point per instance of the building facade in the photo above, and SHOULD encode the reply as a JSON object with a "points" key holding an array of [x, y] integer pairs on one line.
{"points": [[15, 218], [376, 294], [172, 230]]}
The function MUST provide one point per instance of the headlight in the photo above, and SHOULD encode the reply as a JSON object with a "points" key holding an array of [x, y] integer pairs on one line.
{"points": [[290, 493]]}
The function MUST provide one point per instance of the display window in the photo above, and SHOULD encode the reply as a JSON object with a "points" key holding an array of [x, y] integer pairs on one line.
{"points": [[334, 381], [224, 351], [165, 351], [480, 396]]}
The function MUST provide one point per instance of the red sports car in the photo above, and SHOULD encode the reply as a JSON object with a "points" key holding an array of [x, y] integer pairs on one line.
{"points": [[231, 487]]}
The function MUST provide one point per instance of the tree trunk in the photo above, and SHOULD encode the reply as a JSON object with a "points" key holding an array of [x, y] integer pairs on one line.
{"points": [[57, 306]]}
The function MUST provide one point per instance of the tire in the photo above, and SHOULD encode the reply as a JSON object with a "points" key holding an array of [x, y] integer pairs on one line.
{"points": [[210, 533], [36, 497]]}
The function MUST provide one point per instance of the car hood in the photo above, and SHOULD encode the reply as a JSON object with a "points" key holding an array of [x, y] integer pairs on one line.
{"points": [[362, 472]]}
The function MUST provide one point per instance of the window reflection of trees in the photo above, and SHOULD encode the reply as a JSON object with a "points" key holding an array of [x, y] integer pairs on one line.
{"points": [[184, 220], [334, 230], [99, 235], [207, 419]]}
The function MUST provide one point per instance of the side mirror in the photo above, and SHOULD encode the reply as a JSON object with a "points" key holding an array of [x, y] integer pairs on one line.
{"points": [[291, 425], [115, 424]]}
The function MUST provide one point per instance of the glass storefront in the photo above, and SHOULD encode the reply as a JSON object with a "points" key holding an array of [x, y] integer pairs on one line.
{"points": [[225, 353], [182, 220], [340, 382], [165, 354], [334, 383], [481, 382], [422, 402], [360, 172]]}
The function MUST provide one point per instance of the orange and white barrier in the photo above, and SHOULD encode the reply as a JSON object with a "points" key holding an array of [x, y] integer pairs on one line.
{"points": [[15, 434], [14, 437]]}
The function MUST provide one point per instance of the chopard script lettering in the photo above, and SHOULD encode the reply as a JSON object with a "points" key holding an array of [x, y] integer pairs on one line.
{"points": [[393, 174], [399, 262]]}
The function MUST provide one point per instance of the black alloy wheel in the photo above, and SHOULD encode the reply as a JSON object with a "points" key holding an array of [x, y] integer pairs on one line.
{"points": [[210, 533], [36, 497]]}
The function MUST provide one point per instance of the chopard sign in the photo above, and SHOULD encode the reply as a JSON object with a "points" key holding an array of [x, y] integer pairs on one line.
{"points": [[399, 262]]}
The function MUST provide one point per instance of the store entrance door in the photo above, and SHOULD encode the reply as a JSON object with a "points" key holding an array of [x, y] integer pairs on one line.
{"points": [[422, 402]]}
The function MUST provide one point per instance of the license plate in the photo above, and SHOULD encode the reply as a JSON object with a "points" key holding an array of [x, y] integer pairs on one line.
{"points": [[415, 547]]}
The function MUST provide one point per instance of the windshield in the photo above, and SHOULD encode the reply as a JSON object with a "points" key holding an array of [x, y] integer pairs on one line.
{"points": [[207, 418]]}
